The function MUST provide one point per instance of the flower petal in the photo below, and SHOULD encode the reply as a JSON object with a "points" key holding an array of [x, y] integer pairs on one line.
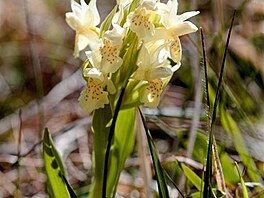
{"points": [[140, 24], [176, 50], [72, 20], [152, 92], [115, 35], [160, 72], [183, 28], [82, 40], [90, 99], [91, 15], [93, 73], [185, 16], [76, 8], [110, 58]]}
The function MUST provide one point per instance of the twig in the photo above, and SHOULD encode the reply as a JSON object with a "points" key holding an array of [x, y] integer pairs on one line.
{"points": [[18, 154]]}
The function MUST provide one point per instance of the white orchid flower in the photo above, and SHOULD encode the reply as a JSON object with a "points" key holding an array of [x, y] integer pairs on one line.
{"points": [[84, 19], [94, 96], [104, 60], [140, 21], [174, 26], [153, 67]]}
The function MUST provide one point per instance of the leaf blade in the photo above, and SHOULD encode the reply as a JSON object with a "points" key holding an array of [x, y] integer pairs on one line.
{"points": [[54, 167], [162, 184]]}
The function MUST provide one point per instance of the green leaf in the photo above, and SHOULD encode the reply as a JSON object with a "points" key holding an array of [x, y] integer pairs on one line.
{"points": [[123, 145], [194, 179], [231, 127], [54, 167], [244, 188], [100, 127], [108, 21], [229, 169], [162, 184]]}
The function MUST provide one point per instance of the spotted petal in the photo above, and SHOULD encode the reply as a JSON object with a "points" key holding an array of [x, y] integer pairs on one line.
{"points": [[151, 94], [93, 97], [139, 22]]}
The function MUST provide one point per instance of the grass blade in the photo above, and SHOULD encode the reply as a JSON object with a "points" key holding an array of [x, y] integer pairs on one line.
{"points": [[162, 184], [208, 173], [244, 188]]}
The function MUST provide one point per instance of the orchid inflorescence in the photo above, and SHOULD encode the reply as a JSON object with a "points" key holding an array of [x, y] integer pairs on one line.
{"points": [[137, 45]]}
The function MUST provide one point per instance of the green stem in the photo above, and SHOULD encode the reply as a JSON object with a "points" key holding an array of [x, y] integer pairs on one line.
{"points": [[109, 142]]}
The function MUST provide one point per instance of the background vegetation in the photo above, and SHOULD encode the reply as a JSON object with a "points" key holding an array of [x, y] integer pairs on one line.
{"points": [[40, 82]]}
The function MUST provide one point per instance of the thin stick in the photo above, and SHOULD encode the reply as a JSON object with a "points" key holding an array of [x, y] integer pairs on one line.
{"points": [[19, 153]]}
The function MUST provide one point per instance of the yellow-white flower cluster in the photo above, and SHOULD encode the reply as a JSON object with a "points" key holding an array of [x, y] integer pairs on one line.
{"points": [[157, 28]]}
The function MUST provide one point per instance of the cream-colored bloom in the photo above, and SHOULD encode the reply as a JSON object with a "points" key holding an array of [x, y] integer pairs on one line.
{"points": [[106, 58], [93, 97], [140, 22], [154, 68], [103, 61], [173, 26], [84, 19]]}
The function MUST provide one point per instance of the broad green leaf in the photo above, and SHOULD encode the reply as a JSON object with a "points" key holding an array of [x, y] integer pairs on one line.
{"points": [[193, 178], [229, 169], [244, 188], [123, 145], [108, 21], [162, 184], [101, 119], [231, 127], [54, 168]]}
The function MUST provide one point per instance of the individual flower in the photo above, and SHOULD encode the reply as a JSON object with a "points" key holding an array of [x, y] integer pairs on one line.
{"points": [[103, 61], [106, 56], [94, 96], [174, 26], [140, 21], [153, 68], [84, 19]]}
